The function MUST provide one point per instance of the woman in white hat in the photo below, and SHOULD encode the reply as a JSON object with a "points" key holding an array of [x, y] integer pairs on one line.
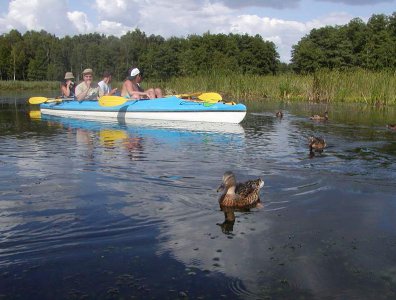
{"points": [[67, 86]]}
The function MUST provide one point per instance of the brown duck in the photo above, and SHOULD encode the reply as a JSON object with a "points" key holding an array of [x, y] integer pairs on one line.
{"points": [[391, 126], [279, 114], [317, 143], [239, 195], [325, 117]]}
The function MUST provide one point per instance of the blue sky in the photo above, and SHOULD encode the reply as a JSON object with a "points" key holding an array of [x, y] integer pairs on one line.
{"points": [[284, 22]]}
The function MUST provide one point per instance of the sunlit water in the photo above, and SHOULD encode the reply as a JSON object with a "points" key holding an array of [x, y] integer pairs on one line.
{"points": [[96, 210]]}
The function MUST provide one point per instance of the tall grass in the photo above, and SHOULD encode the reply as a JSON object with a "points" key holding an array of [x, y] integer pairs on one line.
{"points": [[9, 85], [325, 86], [376, 88]]}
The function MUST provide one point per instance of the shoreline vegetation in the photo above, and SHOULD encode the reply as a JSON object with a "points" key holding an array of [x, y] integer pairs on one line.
{"points": [[359, 86]]}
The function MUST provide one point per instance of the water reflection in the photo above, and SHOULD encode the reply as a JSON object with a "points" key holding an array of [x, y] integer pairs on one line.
{"points": [[227, 226], [94, 209]]}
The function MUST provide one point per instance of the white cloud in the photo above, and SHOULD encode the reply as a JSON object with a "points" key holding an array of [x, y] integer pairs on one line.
{"points": [[358, 2], [37, 15], [283, 33], [113, 28], [80, 21], [180, 18], [260, 3]]}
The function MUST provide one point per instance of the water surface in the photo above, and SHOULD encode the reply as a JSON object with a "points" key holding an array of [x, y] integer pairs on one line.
{"points": [[98, 210]]}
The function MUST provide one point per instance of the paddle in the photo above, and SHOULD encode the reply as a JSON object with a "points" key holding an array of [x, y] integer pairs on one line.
{"points": [[112, 100], [39, 100], [117, 100], [210, 97], [207, 97]]}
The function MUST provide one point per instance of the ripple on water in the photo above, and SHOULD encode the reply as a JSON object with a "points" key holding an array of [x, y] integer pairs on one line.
{"points": [[70, 201]]}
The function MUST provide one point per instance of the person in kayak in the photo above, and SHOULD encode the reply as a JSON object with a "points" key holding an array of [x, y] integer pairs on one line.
{"points": [[87, 89], [67, 86], [131, 87], [105, 84]]}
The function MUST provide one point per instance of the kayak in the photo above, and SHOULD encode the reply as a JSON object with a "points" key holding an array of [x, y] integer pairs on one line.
{"points": [[170, 108]]}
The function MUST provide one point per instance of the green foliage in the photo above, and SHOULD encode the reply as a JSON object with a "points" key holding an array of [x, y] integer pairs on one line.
{"points": [[371, 87], [39, 56], [371, 46]]}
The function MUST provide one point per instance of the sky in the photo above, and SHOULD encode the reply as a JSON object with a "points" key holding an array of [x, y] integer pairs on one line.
{"points": [[283, 22]]}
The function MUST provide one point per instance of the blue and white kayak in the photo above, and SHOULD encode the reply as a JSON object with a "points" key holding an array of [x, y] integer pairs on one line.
{"points": [[169, 108]]}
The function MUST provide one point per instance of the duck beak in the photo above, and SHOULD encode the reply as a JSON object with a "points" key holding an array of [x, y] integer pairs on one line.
{"points": [[220, 188]]}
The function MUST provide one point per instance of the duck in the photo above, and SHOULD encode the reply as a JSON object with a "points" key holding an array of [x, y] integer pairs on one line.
{"points": [[239, 195], [325, 117], [391, 126], [279, 114], [317, 143]]}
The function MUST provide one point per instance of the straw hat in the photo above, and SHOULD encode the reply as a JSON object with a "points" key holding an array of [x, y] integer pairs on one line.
{"points": [[87, 71], [69, 75]]}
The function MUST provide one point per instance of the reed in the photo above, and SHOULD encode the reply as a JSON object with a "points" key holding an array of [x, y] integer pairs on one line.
{"points": [[9, 85], [375, 88]]}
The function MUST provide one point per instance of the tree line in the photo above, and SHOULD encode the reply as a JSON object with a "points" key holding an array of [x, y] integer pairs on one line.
{"points": [[370, 46], [37, 56]]}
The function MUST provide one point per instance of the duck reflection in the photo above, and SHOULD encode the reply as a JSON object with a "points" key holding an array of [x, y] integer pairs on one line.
{"points": [[227, 227]]}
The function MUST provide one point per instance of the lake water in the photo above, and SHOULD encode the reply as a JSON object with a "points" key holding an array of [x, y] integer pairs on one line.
{"points": [[95, 210]]}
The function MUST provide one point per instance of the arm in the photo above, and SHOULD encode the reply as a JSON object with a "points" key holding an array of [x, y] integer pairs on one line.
{"points": [[113, 91], [65, 90], [132, 91]]}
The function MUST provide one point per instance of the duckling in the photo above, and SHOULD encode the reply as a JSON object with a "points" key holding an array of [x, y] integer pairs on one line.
{"points": [[241, 194], [391, 126], [279, 114], [317, 143], [325, 117]]}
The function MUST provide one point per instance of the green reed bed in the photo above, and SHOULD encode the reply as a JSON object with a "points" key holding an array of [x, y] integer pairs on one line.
{"points": [[18, 85], [324, 86], [376, 88]]}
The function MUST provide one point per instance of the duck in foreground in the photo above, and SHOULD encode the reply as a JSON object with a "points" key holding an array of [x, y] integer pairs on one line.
{"points": [[316, 143], [239, 195], [325, 117]]}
